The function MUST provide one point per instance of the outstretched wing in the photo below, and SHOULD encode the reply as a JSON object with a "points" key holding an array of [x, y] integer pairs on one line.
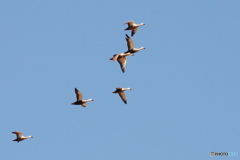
{"points": [[130, 42], [78, 94], [123, 97], [18, 134], [122, 61], [134, 31]]}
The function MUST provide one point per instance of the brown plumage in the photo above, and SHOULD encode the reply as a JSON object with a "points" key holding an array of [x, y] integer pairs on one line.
{"points": [[121, 93], [132, 26], [122, 60], [20, 137], [131, 47], [80, 100]]}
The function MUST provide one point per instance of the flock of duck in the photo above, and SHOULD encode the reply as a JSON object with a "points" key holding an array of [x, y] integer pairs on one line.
{"points": [[122, 60]]}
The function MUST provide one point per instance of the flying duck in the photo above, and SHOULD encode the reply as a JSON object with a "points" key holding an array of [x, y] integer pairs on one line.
{"points": [[80, 100], [122, 60], [132, 26], [131, 47], [121, 93], [20, 137]]}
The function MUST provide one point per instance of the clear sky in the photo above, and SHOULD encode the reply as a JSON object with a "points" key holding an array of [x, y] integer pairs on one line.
{"points": [[185, 98]]}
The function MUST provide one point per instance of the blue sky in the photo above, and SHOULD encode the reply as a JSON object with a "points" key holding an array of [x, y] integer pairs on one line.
{"points": [[185, 98]]}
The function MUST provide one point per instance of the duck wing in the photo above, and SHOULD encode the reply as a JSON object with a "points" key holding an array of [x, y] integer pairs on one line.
{"points": [[18, 134], [134, 31], [122, 61], [130, 43], [123, 97], [78, 94]]}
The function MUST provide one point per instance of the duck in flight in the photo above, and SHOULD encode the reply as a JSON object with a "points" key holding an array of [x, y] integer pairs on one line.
{"points": [[121, 93], [132, 26], [20, 137], [131, 47], [122, 60], [80, 100]]}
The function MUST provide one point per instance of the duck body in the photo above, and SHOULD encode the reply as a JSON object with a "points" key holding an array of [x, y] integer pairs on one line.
{"points": [[80, 102]]}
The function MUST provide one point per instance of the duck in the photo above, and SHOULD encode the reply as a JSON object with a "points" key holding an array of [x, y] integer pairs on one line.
{"points": [[80, 100], [121, 93], [20, 137], [131, 47], [122, 60], [132, 26]]}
